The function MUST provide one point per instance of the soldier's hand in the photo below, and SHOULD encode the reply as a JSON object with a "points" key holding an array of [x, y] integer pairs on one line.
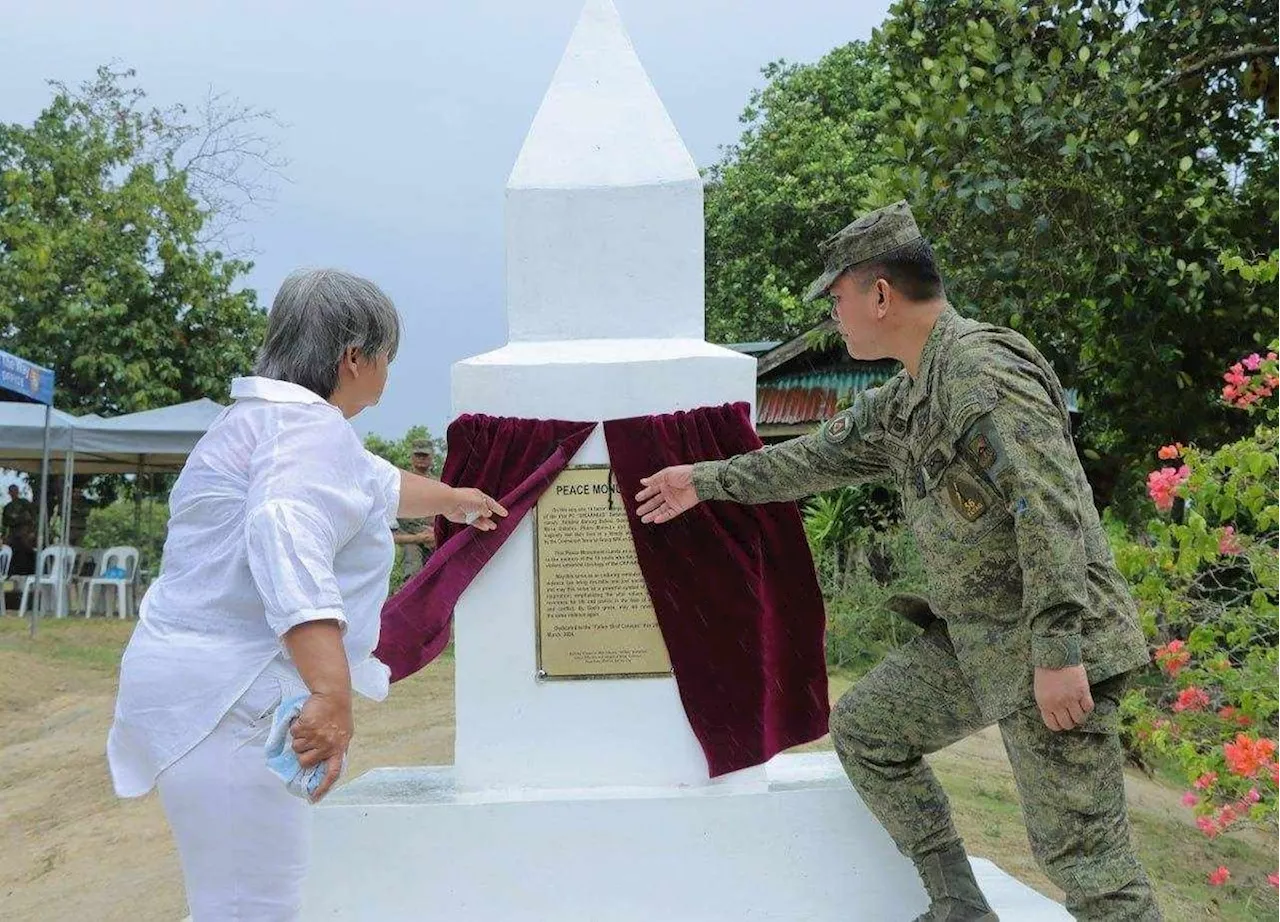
{"points": [[1063, 697], [666, 494]]}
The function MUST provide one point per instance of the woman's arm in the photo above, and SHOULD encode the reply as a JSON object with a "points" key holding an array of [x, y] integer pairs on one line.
{"points": [[323, 730], [421, 497]]}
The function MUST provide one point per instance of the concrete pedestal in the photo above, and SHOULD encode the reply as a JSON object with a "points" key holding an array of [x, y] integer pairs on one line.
{"points": [[406, 844]]}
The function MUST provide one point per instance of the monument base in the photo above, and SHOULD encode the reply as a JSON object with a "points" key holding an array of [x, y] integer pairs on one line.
{"points": [[406, 844]]}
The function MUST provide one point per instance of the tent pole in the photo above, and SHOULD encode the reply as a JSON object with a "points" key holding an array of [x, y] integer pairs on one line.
{"points": [[44, 507], [68, 472]]}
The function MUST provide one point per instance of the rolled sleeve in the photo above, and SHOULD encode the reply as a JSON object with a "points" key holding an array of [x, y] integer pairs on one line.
{"points": [[291, 551], [307, 498]]}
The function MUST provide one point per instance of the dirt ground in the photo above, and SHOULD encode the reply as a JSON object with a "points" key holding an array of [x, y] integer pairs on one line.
{"points": [[70, 849]]}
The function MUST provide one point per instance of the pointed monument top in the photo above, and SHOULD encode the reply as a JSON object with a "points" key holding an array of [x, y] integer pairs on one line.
{"points": [[601, 122]]}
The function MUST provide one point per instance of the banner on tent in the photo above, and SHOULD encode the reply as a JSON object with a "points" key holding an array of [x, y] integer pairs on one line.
{"points": [[26, 378]]}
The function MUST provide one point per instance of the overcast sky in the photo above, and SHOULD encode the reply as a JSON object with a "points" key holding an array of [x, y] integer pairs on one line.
{"points": [[402, 121]]}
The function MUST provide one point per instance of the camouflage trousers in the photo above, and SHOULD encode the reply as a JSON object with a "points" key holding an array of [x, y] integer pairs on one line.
{"points": [[917, 700], [415, 558]]}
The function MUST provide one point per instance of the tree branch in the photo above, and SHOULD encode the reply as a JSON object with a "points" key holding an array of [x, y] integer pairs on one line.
{"points": [[1234, 56]]}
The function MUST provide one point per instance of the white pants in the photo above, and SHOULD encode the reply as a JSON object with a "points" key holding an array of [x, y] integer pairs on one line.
{"points": [[243, 840]]}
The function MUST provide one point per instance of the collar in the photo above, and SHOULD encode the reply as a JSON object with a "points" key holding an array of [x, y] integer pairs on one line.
{"points": [[274, 390], [921, 383]]}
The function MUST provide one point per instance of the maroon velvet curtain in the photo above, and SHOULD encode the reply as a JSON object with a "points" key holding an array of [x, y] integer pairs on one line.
{"points": [[513, 460], [733, 586], [735, 594]]}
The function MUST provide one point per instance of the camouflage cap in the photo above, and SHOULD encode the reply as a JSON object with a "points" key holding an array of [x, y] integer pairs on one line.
{"points": [[422, 447], [872, 235]]}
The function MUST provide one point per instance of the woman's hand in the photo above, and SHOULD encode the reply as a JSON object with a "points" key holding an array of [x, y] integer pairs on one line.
{"points": [[322, 733], [471, 507]]}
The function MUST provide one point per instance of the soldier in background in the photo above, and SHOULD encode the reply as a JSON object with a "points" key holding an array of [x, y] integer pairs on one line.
{"points": [[417, 536], [1028, 623]]}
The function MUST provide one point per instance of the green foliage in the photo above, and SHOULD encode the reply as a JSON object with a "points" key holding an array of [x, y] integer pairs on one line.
{"points": [[863, 556], [1205, 577], [860, 630], [143, 526], [798, 173], [1080, 165], [104, 275], [399, 451]]}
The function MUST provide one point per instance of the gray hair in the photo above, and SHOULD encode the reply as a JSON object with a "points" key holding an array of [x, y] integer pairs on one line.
{"points": [[319, 314]]}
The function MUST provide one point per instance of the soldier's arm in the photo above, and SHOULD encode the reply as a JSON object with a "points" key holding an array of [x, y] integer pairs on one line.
{"points": [[839, 453], [1032, 462]]}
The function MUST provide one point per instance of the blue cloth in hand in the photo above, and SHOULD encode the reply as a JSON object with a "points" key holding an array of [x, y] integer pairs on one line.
{"points": [[282, 760]]}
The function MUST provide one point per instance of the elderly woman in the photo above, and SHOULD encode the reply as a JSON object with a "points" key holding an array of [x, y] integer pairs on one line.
{"points": [[274, 573]]}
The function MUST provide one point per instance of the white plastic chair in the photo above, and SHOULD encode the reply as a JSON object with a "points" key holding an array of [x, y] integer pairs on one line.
{"points": [[126, 558], [6, 559], [54, 567], [88, 565]]}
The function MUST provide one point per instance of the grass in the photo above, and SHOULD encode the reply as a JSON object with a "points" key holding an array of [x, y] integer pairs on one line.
{"points": [[984, 801], [96, 643]]}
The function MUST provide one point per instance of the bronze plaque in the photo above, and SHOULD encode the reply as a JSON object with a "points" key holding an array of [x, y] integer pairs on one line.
{"points": [[595, 619]]}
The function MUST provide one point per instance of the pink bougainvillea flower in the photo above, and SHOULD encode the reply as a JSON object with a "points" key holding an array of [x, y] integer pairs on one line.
{"points": [[1206, 781], [1191, 699], [1252, 362], [1247, 756], [1253, 796], [1170, 452], [1228, 543], [1162, 484], [1206, 825], [1274, 880], [1190, 799], [1220, 876]]}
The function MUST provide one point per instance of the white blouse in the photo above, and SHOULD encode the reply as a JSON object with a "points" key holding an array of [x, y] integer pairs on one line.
{"points": [[279, 517]]}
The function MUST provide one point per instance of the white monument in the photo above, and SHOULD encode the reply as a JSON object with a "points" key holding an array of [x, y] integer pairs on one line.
{"points": [[590, 800]]}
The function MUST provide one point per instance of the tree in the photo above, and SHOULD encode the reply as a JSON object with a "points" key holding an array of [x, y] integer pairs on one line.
{"points": [[399, 451], [800, 172], [105, 270], [1081, 166]]}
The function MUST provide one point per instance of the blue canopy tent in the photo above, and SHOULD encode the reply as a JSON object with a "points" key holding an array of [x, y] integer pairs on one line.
{"points": [[26, 382]]}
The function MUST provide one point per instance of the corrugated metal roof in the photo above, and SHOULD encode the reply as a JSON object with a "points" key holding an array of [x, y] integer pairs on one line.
{"points": [[784, 406], [778, 404], [845, 380]]}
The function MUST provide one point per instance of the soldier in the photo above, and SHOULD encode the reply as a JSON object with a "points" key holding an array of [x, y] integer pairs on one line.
{"points": [[416, 535], [1028, 624], [18, 512]]}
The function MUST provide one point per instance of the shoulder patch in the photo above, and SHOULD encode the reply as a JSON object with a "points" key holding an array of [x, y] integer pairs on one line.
{"points": [[839, 427]]}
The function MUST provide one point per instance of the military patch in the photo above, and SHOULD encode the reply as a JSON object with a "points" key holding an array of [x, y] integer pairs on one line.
{"points": [[838, 429], [983, 451], [897, 425], [966, 498]]}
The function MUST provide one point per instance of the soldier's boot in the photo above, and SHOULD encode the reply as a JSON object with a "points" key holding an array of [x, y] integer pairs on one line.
{"points": [[954, 895]]}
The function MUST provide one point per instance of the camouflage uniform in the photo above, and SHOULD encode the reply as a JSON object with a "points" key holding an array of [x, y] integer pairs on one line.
{"points": [[416, 555], [1020, 575], [19, 514]]}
